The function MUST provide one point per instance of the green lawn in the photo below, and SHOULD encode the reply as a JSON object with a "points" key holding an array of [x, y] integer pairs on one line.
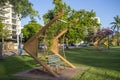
{"points": [[100, 65]]}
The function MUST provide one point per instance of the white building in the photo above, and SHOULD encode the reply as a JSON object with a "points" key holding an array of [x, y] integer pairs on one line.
{"points": [[10, 20]]}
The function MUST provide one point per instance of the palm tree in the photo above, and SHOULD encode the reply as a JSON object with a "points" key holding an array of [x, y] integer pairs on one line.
{"points": [[116, 25]]}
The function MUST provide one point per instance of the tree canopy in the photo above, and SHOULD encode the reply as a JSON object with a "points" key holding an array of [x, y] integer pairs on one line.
{"points": [[82, 24], [4, 32], [30, 29], [22, 7], [77, 21], [116, 25]]}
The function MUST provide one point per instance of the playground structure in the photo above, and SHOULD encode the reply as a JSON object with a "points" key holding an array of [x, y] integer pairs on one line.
{"points": [[100, 35], [31, 46], [111, 42]]}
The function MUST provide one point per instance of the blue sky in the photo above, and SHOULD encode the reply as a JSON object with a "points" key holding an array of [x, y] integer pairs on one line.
{"points": [[105, 9]]}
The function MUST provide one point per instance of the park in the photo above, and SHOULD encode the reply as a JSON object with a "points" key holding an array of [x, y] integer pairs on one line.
{"points": [[98, 60]]}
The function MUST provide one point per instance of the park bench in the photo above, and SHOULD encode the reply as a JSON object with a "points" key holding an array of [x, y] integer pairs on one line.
{"points": [[54, 60]]}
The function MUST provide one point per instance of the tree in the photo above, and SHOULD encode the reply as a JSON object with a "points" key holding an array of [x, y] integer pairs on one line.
{"points": [[77, 21], [22, 7], [1, 57], [4, 34], [116, 25], [82, 24], [30, 29], [56, 28], [1, 29]]}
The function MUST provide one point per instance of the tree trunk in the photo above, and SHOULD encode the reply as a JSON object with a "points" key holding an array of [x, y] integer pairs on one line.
{"points": [[67, 45], [3, 44], [117, 37], [1, 57]]}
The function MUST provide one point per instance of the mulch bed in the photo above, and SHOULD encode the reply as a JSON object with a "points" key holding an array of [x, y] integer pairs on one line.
{"points": [[64, 74]]}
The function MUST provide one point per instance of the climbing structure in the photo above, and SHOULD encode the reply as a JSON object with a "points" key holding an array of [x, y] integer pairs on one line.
{"points": [[31, 46], [54, 47], [100, 35]]}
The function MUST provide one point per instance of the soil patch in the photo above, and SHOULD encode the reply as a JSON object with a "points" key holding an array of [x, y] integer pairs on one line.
{"points": [[65, 73]]}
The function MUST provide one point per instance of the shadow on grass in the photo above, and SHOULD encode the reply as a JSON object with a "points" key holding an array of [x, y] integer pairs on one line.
{"points": [[109, 59], [94, 75], [12, 65]]}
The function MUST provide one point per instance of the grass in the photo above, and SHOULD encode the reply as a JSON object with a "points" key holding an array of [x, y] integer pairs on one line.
{"points": [[12, 65], [101, 65]]}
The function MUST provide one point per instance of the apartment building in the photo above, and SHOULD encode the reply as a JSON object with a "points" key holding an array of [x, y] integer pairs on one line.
{"points": [[11, 20]]}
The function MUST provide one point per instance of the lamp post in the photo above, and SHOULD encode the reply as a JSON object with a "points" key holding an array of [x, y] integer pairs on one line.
{"points": [[21, 45], [21, 36]]}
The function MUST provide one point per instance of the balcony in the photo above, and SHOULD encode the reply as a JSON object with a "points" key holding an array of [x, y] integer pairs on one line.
{"points": [[3, 16], [14, 17], [14, 32], [14, 36], [14, 29], [6, 22], [4, 10], [14, 23], [7, 5]]}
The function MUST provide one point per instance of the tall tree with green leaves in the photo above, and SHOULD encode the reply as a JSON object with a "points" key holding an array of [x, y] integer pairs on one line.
{"points": [[22, 7], [60, 25], [30, 29], [4, 34], [116, 25], [82, 24], [77, 21]]}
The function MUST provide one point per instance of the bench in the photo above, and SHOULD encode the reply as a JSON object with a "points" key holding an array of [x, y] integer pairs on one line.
{"points": [[54, 60]]}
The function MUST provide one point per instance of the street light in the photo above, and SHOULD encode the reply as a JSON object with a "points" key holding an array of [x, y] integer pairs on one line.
{"points": [[21, 36], [21, 45]]}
